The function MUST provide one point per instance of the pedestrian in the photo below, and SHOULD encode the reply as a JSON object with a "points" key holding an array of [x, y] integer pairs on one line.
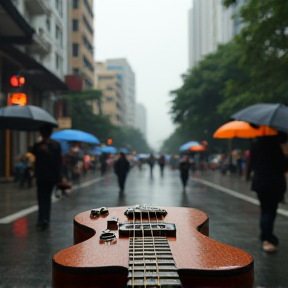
{"points": [[103, 163], [151, 162], [269, 165], [184, 167], [121, 169], [162, 162], [48, 164]]}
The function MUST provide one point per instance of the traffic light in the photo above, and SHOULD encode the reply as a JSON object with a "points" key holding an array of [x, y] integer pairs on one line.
{"points": [[17, 81], [109, 141], [19, 99]]}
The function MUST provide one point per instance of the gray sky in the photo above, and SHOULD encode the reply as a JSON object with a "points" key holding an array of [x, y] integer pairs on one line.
{"points": [[153, 36]]}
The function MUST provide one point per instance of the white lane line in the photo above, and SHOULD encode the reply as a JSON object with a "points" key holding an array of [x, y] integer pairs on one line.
{"points": [[10, 218], [237, 194]]}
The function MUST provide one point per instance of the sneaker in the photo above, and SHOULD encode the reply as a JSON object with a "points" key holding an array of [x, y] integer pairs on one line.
{"points": [[268, 247]]}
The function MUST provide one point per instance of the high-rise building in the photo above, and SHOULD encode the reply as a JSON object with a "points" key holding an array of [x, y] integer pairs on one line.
{"points": [[210, 24], [81, 41], [49, 20], [141, 119], [127, 80], [112, 101]]}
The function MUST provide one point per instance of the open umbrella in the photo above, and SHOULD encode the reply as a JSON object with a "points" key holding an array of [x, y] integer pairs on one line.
{"points": [[187, 145], [75, 135], [242, 129], [269, 114], [109, 149], [25, 118], [198, 148]]}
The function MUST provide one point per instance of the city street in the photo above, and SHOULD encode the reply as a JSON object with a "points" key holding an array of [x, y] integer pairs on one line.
{"points": [[26, 254]]}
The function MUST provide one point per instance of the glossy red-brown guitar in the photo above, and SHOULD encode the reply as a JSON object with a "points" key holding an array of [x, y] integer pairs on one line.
{"points": [[148, 246]]}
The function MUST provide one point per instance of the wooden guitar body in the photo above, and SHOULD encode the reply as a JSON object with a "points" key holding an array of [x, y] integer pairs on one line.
{"points": [[200, 261]]}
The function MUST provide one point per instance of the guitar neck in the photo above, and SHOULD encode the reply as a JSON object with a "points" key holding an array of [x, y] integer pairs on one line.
{"points": [[151, 263]]}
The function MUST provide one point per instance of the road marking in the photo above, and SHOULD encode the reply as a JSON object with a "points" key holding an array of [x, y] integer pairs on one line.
{"points": [[237, 194], [10, 218]]}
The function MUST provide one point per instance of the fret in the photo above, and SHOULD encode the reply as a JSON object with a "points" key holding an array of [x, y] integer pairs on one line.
{"points": [[151, 264]]}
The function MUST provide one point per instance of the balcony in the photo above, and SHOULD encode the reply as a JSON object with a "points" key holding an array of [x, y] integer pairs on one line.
{"points": [[41, 44], [38, 7]]}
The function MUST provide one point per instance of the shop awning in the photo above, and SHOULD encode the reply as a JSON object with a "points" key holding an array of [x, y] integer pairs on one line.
{"points": [[14, 29], [33, 71]]}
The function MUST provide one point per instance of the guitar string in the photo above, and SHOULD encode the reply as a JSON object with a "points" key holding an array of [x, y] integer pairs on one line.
{"points": [[156, 258]]}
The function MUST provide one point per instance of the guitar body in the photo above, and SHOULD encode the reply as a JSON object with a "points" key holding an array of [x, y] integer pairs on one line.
{"points": [[200, 261]]}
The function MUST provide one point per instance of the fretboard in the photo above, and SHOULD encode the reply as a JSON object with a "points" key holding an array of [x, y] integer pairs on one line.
{"points": [[151, 263]]}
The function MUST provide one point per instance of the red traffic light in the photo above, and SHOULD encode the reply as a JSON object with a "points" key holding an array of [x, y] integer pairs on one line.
{"points": [[109, 141], [17, 81]]}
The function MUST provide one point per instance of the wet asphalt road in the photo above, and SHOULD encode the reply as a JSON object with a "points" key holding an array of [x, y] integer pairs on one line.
{"points": [[25, 255]]}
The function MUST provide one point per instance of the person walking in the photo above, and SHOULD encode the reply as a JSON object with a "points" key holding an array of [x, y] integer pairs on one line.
{"points": [[184, 167], [161, 162], [121, 169], [48, 166], [151, 162], [269, 165]]}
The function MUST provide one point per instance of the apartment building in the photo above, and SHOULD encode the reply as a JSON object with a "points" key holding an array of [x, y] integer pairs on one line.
{"points": [[81, 41], [112, 101], [210, 24], [127, 80]]}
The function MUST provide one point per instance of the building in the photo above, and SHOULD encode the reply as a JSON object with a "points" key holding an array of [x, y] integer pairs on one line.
{"points": [[141, 119], [127, 80], [112, 100], [29, 49], [210, 24], [81, 41]]}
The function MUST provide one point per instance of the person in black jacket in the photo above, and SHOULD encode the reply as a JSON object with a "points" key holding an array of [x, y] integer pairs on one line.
{"points": [[121, 169], [269, 165], [48, 164], [184, 167]]}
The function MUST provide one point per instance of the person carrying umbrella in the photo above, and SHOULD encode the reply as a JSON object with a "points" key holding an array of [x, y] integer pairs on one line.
{"points": [[269, 165], [48, 164]]}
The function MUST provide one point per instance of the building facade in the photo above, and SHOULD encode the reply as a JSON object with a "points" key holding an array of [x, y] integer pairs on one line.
{"points": [[81, 41], [210, 24], [141, 119], [29, 49], [127, 80], [112, 99]]}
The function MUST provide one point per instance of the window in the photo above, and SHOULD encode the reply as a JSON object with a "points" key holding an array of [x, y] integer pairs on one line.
{"points": [[75, 50], [75, 70], [88, 8], [59, 35], [75, 4], [75, 25], [58, 61], [48, 24], [87, 24]]}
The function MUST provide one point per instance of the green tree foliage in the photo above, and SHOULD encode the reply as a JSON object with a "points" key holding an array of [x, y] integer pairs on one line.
{"points": [[264, 42], [195, 104], [83, 118], [130, 138]]}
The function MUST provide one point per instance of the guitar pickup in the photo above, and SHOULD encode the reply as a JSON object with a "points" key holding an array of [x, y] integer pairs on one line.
{"points": [[147, 229]]}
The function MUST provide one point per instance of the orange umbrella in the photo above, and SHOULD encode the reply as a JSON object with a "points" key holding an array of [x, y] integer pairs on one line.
{"points": [[197, 148], [242, 129]]}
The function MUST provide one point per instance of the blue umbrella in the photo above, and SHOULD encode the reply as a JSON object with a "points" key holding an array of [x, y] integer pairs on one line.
{"points": [[124, 150], [187, 145], [97, 150], [109, 149], [75, 135]]}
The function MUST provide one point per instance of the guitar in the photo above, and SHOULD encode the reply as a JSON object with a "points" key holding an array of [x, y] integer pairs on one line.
{"points": [[148, 246]]}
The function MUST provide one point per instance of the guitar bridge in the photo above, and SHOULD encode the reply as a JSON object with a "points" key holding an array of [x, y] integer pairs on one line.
{"points": [[147, 229]]}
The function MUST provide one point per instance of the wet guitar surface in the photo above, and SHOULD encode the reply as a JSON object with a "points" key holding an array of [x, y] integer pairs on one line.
{"points": [[149, 250]]}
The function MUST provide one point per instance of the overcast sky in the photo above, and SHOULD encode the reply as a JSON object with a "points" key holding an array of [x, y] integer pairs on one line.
{"points": [[153, 36]]}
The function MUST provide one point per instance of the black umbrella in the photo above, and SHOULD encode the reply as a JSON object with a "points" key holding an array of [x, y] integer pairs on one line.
{"points": [[25, 118], [268, 114]]}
